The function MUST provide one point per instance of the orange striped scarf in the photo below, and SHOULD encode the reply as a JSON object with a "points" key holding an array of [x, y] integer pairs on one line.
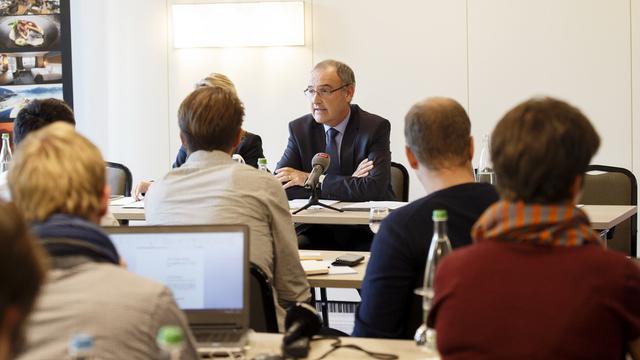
{"points": [[557, 224]]}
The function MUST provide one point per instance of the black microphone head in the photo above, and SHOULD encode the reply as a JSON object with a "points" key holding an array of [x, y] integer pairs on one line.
{"points": [[321, 159], [307, 316]]}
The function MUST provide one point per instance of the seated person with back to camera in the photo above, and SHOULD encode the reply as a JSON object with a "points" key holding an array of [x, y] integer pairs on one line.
{"points": [[439, 148], [538, 283], [58, 180], [210, 188]]}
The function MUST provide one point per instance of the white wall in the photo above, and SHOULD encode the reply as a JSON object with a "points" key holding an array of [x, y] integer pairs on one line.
{"points": [[120, 76], [489, 55], [572, 49], [398, 53]]}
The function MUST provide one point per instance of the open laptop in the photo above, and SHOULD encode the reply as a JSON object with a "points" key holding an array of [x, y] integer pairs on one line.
{"points": [[206, 268]]}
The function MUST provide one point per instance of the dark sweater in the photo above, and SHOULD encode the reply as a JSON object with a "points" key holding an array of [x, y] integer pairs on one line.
{"points": [[503, 300], [389, 307]]}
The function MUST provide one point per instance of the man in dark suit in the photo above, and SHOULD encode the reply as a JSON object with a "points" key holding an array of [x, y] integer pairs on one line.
{"points": [[357, 143]]}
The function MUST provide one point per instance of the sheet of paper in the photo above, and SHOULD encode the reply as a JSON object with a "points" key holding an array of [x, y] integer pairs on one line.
{"points": [[135, 205], [341, 270], [392, 205], [122, 201], [298, 203]]}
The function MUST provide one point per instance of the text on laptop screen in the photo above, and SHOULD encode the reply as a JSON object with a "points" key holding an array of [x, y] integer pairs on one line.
{"points": [[204, 270]]}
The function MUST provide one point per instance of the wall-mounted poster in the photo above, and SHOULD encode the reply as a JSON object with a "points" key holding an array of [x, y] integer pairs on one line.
{"points": [[35, 55]]}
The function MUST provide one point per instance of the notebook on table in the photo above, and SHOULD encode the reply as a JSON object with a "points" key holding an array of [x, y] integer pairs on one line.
{"points": [[206, 268]]}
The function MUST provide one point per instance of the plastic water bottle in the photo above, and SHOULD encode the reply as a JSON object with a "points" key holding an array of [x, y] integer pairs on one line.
{"points": [[5, 153], [170, 339], [439, 249], [485, 166], [262, 165], [81, 347]]}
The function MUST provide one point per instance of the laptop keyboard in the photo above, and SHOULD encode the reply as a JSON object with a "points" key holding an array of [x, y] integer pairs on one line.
{"points": [[218, 337]]}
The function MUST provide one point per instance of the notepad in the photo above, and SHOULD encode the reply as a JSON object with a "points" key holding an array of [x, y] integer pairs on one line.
{"points": [[309, 255], [315, 267]]}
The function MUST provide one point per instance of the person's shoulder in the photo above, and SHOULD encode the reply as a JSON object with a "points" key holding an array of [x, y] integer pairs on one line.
{"points": [[302, 120], [368, 118], [251, 137], [411, 216], [262, 180]]}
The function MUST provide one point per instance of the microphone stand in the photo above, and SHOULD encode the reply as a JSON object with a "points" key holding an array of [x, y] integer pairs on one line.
{"points": [[313, 200]]}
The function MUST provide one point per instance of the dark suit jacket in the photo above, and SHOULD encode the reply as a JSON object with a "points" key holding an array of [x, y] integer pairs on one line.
{"points": [[250, 148], [366, 136]]}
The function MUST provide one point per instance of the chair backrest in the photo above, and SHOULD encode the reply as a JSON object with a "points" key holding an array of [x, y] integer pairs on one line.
{"points": [[400, 181], [262, 308], [608, 185], [119, 179]]}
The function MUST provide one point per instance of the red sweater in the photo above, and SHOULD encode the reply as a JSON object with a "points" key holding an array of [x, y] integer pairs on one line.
{"points": [[522, 301]]}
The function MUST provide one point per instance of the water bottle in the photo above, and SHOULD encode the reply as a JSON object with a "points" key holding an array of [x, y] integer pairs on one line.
{"points": [[5, 153], [170, 340], [485, 166], [440, 248], [262, 165], [81, 347]]}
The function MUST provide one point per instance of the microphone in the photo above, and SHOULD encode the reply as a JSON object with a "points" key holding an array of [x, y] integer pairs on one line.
{"points": [[320, 164], [301, 323]]}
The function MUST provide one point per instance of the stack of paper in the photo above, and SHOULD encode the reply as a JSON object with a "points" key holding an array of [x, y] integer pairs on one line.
{"points": [[315, 267]]}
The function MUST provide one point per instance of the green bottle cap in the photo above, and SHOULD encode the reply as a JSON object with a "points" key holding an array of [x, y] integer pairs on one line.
{"points": [[262, 161], [170, 335], [5, 136], [439, 215]]}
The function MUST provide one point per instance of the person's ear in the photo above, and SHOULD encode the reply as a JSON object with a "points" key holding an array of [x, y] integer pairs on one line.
{"points": [[183, 142], [471, 148], [236, 142], [104, 201], [9, 321], [576, 188], [411, 157], [350, 90]]}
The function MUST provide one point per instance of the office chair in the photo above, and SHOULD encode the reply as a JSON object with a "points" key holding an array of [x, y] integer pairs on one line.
{"points": [[262, 308], [400, 182], [608, 185], [119, 179]]}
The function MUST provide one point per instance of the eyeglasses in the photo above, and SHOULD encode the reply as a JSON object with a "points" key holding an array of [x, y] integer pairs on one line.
{"points": [[322, 92]]}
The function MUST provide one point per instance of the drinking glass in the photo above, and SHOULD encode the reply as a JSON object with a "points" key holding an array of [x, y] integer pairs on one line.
{"points": [[376, 214]]}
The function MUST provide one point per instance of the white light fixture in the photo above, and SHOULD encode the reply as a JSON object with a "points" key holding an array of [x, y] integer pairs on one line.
{"points": [[238, 24]]}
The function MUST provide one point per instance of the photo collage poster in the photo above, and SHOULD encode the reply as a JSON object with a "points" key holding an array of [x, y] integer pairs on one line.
{"points": [[35, 55]]}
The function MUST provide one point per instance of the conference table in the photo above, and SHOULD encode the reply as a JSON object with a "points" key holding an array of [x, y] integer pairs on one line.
{"points": [[262, 344], [603, 217]]}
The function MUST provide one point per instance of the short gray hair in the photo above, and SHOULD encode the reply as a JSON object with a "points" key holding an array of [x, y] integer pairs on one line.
{"points": [[343, 70]]}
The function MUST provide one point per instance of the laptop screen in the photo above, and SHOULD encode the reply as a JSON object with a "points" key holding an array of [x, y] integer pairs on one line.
{"points": [[204, 266]]}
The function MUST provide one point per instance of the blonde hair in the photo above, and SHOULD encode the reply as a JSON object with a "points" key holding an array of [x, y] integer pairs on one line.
{"points": [[57, 170], [217, 80]]}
